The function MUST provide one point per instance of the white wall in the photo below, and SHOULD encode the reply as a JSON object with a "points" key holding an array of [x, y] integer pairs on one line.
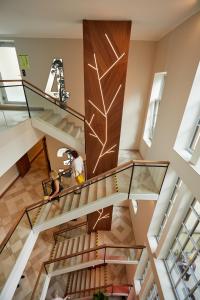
{"points": [[177, 54], [15, 142], [52, 146], [140, 63], [41, 54], [141, 220]]}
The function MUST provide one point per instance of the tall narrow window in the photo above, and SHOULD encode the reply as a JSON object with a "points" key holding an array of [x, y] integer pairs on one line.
{"points": [[156, 96], [195, 137], [187, 143], [169, 207]]}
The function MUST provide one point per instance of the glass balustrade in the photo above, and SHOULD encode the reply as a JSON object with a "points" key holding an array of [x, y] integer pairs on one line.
{"points": [[48, 112], [147, 178], [13, 107], [123, 254], [69, 233], [74, 260], [10, 251], [136, 179]]}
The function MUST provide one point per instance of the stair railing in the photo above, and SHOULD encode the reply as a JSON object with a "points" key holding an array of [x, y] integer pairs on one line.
{"points": [[63, 232], [26, 84], [109, 289], [101, 256], [129, 167]]}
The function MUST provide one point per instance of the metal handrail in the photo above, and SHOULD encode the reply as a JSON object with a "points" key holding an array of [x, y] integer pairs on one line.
{"points": [[101, 287], [45, 95], [100, 177], [11, 230], [59, 232], [104, 246]]}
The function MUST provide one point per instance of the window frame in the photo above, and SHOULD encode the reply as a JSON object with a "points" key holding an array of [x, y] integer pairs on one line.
{"points": [[195, 137], [183, 254], [153, 109], [169, 207]]}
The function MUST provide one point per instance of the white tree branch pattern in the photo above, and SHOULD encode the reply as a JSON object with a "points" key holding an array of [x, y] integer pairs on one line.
{"points": [[105, 110], [100, 217]]}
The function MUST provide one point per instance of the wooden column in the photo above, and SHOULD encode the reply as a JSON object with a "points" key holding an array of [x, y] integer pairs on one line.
{"points": [[106, 45]]}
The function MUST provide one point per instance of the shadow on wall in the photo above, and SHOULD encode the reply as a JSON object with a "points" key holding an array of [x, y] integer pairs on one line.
{"points": [[141, 220]]}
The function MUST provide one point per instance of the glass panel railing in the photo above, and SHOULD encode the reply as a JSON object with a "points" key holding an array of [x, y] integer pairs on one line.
{"points": [[48, 111], [100, 255], [12, 93], [3, 123], [13, 110], [125, 254], [73, 260], [71, 232], [10, 252], [39, 284], [147, 179], [16, 115], [123, 179]]}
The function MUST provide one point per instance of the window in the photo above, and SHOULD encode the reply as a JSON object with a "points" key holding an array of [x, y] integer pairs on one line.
{"points": [[169, 207], [145, 272], [195, 137], [187, 141], [156, 95], [153, 293], [183, 260]]}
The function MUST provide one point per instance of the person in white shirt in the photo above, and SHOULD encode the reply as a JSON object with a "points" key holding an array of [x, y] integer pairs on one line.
{"points": [[77, 164], [77, 168]]}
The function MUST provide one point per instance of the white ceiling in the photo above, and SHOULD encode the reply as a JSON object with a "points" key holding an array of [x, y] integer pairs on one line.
{"points": [[152, 19]]}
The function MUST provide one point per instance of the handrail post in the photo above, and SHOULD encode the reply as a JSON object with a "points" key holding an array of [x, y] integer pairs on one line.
{"points": [[133, 165], [26, 100], [29, 220]]}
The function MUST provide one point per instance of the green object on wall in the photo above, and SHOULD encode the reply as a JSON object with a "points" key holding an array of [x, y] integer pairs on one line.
{"points": [[24, 61]]}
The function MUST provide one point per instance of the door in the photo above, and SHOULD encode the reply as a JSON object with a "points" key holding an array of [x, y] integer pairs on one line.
{"points": [[23, 165]]}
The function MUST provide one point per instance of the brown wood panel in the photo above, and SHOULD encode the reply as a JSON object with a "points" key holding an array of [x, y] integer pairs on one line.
{"points": [[23, 165], [100, 220], [106, 45]]}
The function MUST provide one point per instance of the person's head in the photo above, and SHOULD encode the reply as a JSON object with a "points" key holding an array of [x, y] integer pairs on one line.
{"points": [[74, 153], [54, 175]]}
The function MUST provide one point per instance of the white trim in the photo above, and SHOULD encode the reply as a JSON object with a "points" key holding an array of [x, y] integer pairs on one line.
{"points": [[45, 287], [17, 271]]}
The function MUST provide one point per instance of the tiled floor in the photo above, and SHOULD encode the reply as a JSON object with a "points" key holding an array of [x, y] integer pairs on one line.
{"points": [[22, 193], [121, 232]]}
